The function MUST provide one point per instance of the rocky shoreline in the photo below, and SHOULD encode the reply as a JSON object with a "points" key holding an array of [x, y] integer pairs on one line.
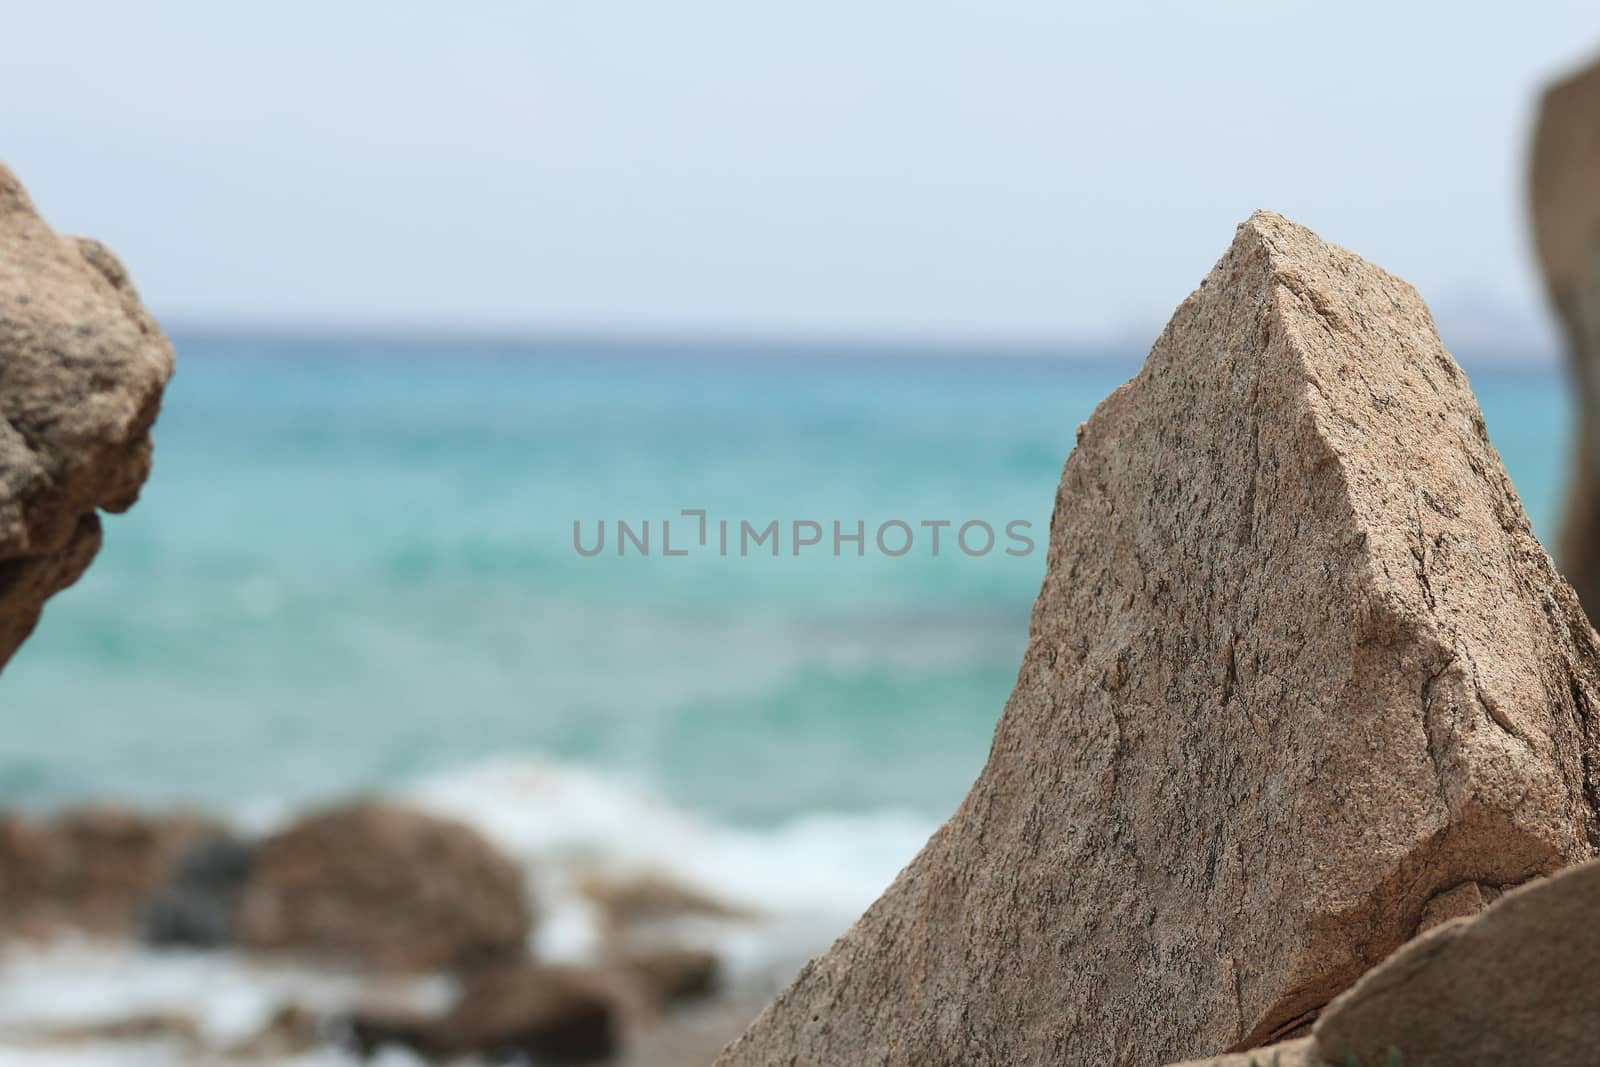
{"points": [[392, 901], [1302, 764]]}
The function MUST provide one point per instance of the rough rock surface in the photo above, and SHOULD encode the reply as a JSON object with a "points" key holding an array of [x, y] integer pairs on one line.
{"points": [[82, 366], [1298, 666], [91, 871], [1564, 187], [386, 888]]}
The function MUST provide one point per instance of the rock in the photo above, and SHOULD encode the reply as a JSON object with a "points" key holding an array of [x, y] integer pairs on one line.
{"points": [[92, 871], [196, 908], [1564, 187], [385, 888], [652, 898], [1298, 666], [82, 366], [291, 1031], [668, 975], [1519, 984], [546, 1015]]}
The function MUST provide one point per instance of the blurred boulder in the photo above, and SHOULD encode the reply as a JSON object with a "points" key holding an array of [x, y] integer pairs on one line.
{"points": [[519, 1011], [1298, 667], [82, 367], [385, 888], [652, 898], [667, 975], [92, 871], [1564, 189]]}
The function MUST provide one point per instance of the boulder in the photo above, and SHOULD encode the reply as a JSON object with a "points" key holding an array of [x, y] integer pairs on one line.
{"points": [[1298, 667], [1517, 985], [668, 974], [1564, 190], [82, 367], [90, 871], [385, 888], [547, 1015]]}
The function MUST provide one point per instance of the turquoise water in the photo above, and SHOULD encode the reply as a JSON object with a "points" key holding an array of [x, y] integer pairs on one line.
{"points": [[354, 567]]}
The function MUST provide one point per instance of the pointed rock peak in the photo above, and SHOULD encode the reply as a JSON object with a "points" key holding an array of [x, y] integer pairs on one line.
{"points": [[1297, 670]]}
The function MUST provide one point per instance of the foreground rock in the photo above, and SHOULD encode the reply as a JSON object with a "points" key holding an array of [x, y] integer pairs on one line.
{"points": [[1517, 985], [1565, 195], [386, 888], [91, 871], [82, 366], [1298, 667]]}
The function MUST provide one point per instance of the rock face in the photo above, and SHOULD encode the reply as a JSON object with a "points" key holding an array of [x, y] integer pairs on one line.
{"points": [[1298, 667], [82, 366], [1517, 985], [385, 888], [1564, 186]]}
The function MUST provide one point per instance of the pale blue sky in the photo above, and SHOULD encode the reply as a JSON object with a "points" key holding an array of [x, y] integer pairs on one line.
{"points": [[995, 169]]}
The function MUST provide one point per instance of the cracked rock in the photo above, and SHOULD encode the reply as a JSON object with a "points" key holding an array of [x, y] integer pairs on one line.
{"points": [[1349, 680], [82, 366]]}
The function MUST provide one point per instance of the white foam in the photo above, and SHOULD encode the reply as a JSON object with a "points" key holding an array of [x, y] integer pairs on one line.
{"points": [[805, 879]]}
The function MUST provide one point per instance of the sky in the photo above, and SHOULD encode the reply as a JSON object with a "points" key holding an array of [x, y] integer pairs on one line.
{"points": [[1006, 171]]}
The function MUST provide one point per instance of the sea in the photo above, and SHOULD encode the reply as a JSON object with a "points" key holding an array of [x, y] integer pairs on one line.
{"points": [[373, 564]]}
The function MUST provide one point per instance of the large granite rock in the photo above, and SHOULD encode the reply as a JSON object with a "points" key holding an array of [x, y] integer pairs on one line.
{"points": [[1517, 985], [1564, 187], [82, 366], [386, 888], [1297, 668]]}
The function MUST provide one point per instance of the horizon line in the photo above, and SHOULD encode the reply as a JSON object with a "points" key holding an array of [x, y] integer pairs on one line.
{"points": [[737, 342]]}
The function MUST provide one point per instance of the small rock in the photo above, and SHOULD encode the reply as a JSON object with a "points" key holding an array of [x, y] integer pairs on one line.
{"points": [[547, 1015], [668, 975], [292, 1030], [652, 898], [386, 888]]}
